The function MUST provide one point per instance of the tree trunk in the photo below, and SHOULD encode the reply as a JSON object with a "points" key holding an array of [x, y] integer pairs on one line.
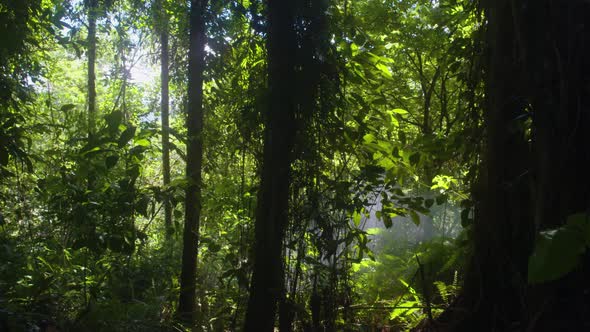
{"points": [[91, 48], [165, 110], [537, 69], [555, 41], [271, 219], [503, 228], [187, 301]]}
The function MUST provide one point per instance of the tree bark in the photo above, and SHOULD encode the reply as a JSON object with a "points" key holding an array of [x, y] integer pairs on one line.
{"points": [[537, 68], [187, 301], [272, 208], [165, 113], [502, 230], [91, 49]]}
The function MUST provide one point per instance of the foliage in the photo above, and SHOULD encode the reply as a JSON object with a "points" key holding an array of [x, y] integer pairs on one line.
{"points": [[387, 140], [557, 252]]}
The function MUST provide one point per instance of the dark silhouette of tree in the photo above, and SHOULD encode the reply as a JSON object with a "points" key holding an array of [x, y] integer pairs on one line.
{"points": [[194, 124], [272, 209], [536, 160]]}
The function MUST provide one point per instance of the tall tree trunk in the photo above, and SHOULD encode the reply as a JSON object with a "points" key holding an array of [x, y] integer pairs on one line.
{"points": [[537, 68], [165, 110], [187, 303], [554, 39], [91, 48], [502, 231], [272, 210]]}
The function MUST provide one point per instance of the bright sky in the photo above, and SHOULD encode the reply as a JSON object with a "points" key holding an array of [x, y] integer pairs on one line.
{"points": [[144, 73]]}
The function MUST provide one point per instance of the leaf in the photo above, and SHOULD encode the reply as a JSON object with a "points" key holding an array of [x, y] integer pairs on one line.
{"points": [[114, 119], [369, 138], [415, 217], [581, 222], [354, 49], [143, 142], [67, 107], [387, 221], [111, 161], [399, 111], [126, 136], [384, 70], [214, 246], [556, 253], [356, 218], [414, 158]]}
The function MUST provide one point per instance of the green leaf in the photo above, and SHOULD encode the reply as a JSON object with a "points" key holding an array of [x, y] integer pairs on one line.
{"points": [[111, 161], [143, 142], [556, 253], [387, 220], [580, 222], [356, 218], [369, 138], [414, 159], [384, 70], [126, 136], [114, 119], [354, 49], [67, 107], [415, 217], [399, 111], [214, 246]]}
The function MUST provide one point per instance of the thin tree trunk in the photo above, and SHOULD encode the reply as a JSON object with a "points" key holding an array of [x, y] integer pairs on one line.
{"points": [[271, 219], [91, 45], [187, 303], [165, 110]]}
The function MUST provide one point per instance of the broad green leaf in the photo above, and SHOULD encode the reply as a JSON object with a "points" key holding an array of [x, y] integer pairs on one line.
{"points": [[556, 253], [143, 142], [384, 70], [126, 136], [369, 138], [399, 111]]}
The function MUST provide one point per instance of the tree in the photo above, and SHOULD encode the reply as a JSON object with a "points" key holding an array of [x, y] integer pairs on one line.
{"points": [[92, 12], [165, 107], [194, 124], [533, 175], [266, 285]]}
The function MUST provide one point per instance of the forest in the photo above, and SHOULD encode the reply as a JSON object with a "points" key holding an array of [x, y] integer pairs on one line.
{"points": [[302, 165]]}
